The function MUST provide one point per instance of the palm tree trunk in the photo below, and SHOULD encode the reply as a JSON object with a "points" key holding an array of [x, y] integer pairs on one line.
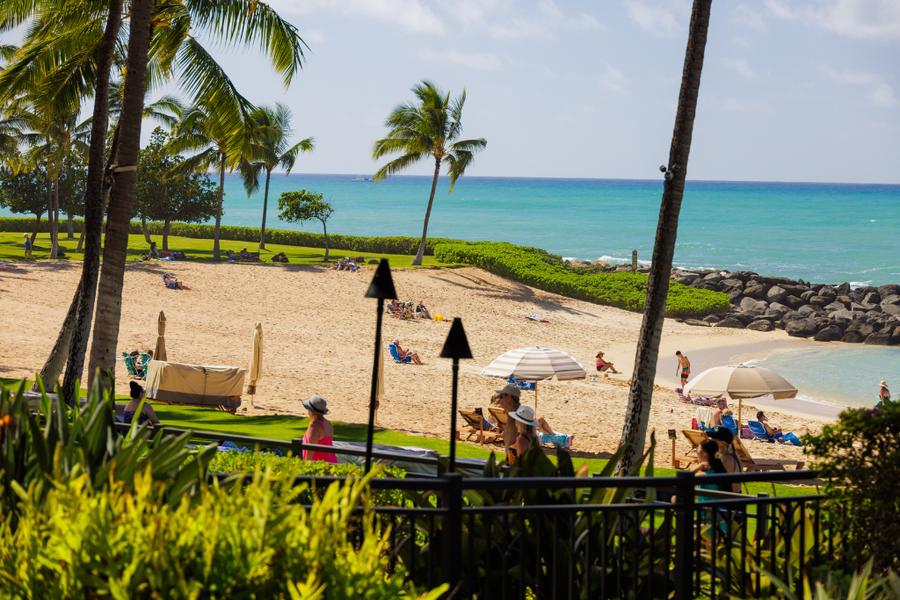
{"points": [[219, 209], [144, 229], [421, 253], [53, 368], [53, 232], [80, 247], [70, 227], [37, 227], [109, 293], [325, 229], [93, 205], [641, 393], [56, 210], [165, 246], [262, 230]]}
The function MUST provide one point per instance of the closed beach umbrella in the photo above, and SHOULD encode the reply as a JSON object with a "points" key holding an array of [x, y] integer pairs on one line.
{"points": [[379, 388], [159, 353], [535, 364], [256, 361], [739, 382]]}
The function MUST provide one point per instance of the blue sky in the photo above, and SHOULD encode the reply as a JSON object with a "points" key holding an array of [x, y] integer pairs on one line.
{"points": [[791, 91]]}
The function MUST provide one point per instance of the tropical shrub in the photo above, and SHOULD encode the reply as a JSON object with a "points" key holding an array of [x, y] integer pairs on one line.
{"points": [[547, 272], [830, 585], [239, 541], [860, 458]]}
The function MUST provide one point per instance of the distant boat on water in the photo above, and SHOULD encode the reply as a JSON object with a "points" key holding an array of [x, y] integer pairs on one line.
{"points": [[362, 179]]}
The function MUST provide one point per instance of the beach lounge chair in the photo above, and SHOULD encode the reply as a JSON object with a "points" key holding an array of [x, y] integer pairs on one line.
{"points": [[499, 415], [396, 355], [473, 424], [759, 431], [694, 437], [132, 369], [729, 423], [522, 385], [559, 439]]}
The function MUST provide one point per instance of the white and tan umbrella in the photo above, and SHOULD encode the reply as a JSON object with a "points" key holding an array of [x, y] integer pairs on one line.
{"points": [[536, 364], [379, 387], [740, 382], [159, 353], [256, 361]]}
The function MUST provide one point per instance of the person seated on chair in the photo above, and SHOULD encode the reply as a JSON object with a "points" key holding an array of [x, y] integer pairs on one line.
{"points": [[413, 356], [137, 394], [421, 311], [509, 402], [172, 283], [728, 455], [709, 462], [775, 433], [602, 365], [244, 255], [525, 432], [718, 411]]}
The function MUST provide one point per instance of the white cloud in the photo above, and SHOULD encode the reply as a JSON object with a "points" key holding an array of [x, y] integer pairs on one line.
{"points": [[857, 19], [655, 21], [312, 36], [740, 66], [879, 93], [411, 15], [505, 21], [483, 62], [612, 79], [749, 18]]}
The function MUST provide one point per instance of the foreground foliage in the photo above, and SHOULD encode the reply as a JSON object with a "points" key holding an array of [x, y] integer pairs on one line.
{"points": [[537, 268], [860, 457]]}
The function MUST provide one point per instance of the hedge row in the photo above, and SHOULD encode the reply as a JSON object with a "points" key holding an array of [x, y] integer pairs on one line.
{"points": [[547, 272], [374, 245]]}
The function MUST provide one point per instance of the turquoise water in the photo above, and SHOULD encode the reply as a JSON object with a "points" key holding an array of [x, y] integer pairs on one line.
{"points": [[819, 232], [841, 375]]}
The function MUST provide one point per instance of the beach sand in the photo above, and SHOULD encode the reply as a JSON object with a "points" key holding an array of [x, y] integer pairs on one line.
{"points": [[319, 335]]}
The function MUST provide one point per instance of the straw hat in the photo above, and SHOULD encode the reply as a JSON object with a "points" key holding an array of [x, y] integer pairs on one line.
{"points": [[883, 384], [317, 405], [524, 414]]}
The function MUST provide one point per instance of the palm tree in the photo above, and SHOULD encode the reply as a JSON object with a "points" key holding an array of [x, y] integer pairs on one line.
{"points": [[269, 149], [640, 395], [427, 128], [208, 134]]}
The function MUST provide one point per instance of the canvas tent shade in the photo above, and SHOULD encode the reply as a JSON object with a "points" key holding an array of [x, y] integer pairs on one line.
{"points": [[196, 385]]}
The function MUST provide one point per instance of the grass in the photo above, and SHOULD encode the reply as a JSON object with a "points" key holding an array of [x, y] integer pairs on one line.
{"points": [[288, 427], [200, 250]]}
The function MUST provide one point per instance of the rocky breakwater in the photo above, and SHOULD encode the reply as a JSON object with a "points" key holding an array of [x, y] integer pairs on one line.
{"points": [[826, 313]]}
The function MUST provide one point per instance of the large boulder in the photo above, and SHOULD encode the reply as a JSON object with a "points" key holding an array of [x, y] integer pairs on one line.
{"points": [[810, 309], [805, 296], [817, 300], [872, 298], [730, 322], [696, 323], [895, 336], [832, 333], [776, 310], [892, 289], [755, 291], [879, 338], [852, 337], [734, 296], [863, 329], [772, 280], [891, 309], [793, 302], [827, 291], [794, 290], [761, 325], [844, 299], [713, 278], [757, 307], [742, 316], [801, 328], [843, 289], [712, 319], [776, 294], [744, 275], [857, 307], [685, 280], [729, 284], [892, 299]]}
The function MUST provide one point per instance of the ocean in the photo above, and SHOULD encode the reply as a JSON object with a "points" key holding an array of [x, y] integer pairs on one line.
{"points": [[820, 232]]}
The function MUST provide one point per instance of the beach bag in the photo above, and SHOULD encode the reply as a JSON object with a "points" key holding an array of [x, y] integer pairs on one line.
{"points": [[746, 433], [179, 256], [791, 438]]}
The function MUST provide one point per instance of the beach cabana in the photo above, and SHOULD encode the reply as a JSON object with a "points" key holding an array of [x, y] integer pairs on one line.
{"points": [[740, 382], [195, 385], [536, 364]]}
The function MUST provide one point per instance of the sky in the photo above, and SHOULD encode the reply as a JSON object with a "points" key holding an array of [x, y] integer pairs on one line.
{"points": [[791, 90]]}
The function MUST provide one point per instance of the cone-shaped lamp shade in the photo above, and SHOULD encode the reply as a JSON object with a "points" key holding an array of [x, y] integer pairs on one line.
{"points": [[382, 285], [456, 346]]}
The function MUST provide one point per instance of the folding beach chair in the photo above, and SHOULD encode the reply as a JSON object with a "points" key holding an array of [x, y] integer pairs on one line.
{"points": [[132, 369], [730, 424], [522, 385], [474, 425], [396, 355], [499, 415], [759, 431], [750, 463]]}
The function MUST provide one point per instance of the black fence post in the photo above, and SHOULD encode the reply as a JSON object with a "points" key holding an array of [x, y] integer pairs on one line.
{"points": [[297, 448], [684, 536], [452, 529]]}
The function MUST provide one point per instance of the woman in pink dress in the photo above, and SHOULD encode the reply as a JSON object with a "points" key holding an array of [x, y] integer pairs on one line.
{"points": [[320, 430]]}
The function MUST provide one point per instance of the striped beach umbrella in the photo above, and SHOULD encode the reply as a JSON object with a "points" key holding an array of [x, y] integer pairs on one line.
{"points": [[739, 382], [536, 364]]}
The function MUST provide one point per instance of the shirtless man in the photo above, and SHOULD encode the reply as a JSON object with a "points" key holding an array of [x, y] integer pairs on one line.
{"points": [[721, 405], [684, 366]]}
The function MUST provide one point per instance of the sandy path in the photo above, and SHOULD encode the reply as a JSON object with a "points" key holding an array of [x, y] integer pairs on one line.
{"points": [[319, 335]]}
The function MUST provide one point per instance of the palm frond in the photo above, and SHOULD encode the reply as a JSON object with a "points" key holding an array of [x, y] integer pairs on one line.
{"points": [[397, 165]]}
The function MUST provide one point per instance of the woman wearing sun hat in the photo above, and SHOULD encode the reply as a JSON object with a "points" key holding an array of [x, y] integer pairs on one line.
{"points": [[320, 430], [884, 394], [526, 425]]}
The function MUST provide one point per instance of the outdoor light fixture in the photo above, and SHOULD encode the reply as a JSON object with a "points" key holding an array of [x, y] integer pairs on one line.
{"points": [[382, 287], [456, 347]]}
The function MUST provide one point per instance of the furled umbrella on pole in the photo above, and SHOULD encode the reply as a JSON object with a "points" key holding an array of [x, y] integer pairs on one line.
{"points": [[379, 388], [536, 364], [456, 347], [256, 361], [382, 287], [740, 382], [159, 353]]}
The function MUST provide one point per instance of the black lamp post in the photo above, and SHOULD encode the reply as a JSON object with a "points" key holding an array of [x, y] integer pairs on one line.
{"points": [[456, 347], [382, 287]]}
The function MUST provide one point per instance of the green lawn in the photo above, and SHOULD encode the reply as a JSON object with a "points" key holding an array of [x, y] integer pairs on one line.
{"points": [[288, 427], [12, 248]]}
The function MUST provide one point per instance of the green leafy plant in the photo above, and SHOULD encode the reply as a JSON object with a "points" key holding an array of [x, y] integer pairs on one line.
{"points": [[859, 457], [297, 207], [828, 585]]}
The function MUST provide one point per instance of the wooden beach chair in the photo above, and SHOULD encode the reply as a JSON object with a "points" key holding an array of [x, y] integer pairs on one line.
{"points": [[694, 437], [499, 415], [474, 425]]}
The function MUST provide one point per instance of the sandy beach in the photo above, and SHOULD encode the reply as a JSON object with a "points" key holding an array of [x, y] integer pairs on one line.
{"points": [[319, 335]]}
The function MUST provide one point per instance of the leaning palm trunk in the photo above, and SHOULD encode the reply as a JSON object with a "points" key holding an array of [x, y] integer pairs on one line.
{"points": [[262, 230], [50, 214], [93, 205], [641, 392], [109, 294], [421, 252], [53, 368], [144, 229], [219, 209]]}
